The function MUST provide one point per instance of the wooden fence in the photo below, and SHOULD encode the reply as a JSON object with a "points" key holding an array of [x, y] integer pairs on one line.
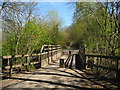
{"points": [[106, 66], [48, 54], [109, 65]]}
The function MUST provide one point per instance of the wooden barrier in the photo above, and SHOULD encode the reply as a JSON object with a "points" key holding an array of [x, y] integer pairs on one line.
{"points": [[48, 54], [109, 63], [108, 66]]}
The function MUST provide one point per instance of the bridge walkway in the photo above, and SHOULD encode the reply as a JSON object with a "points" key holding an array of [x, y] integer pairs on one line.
{"points": [[52, 76]]}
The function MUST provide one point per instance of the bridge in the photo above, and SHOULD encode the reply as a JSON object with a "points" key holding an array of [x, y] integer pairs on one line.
{"points": [[56, 68]]}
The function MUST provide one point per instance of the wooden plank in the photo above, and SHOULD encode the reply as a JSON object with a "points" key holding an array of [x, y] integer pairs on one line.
{"points": [[112, 57], [39, 59], [99, 66], [34, 54], [50, 49], [7, 57], [17, 56], [26, 55], [10, 69], [20, 65], [26, 61]]}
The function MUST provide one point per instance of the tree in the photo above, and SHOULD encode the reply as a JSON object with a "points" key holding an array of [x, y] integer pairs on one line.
{"points": [[14, 17], [55, 23], [97, 26], [24, 33]]}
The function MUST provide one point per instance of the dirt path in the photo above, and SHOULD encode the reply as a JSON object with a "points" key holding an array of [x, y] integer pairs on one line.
{"points": [[54, 77]]}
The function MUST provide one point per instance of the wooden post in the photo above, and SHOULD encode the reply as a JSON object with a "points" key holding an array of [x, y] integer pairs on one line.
{"points": [[69, 52], [118, 71], [48, 55], [39, 60], [97, 64], [51, 54], [82, 56], [10, 69], [8, 62], [26, 60], [61, 63], [85, 62], [79, 62], [15, 62]]}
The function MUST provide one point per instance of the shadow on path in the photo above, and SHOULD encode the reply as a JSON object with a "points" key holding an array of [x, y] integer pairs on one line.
{"points": [[55, 71], [54, 83]]}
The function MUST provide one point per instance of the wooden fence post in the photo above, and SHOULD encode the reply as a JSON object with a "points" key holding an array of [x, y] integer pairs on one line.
{"points": [[29, 59], [79, 62], [15, 62], [51, 54], [85, 62], [118, 71], [48, 54], [10, 69], [97, 64], [69, 52], [26, 63], [39, 60], [8, 63]]}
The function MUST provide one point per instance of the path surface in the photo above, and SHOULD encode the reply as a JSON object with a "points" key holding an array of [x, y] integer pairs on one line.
{"points": [[54, 77]]}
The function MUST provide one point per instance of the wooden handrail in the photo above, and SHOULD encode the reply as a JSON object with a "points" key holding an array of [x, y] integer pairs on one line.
{"points": [[52, 51], [112, 57], [26, 55], [50, 47], [98, 65]]}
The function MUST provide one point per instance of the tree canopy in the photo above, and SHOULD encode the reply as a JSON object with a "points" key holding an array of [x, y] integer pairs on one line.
{"points": [[96, 25], [23, 32]]}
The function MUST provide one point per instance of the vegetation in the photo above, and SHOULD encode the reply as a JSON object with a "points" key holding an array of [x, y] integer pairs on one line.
{"points": [[23, 32], [95, 26]]}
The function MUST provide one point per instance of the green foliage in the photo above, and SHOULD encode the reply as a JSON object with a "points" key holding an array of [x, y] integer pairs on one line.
{"points": [[30, 37], [95, 26], [31, 66], [63, 38]]}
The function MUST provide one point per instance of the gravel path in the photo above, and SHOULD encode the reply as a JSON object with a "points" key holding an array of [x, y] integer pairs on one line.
{"points": [[54, 77]]}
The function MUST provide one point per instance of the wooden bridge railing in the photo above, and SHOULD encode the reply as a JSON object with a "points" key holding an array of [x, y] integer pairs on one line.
{"points": [[48, 54], [102, 64], [108, 66]]}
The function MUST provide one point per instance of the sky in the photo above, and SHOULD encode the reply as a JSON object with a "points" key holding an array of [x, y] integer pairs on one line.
{"points": [[65, 10]]}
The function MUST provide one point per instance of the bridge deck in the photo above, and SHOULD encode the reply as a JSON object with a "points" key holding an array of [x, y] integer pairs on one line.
{"points": [[54, 77]]}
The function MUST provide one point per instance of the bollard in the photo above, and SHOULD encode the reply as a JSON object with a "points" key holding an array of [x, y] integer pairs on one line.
{"points": [[61, 63], [69, 52]]}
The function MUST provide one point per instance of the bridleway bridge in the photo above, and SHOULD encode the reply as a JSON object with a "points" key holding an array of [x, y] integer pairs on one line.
{"points": [[57, 68]]}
